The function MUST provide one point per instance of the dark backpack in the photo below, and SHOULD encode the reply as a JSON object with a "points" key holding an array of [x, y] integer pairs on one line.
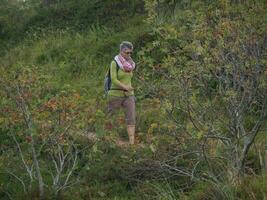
{"points": [[107, 80]]}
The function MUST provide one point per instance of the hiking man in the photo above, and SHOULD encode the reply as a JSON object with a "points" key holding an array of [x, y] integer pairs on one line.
{"points": [[121, 92]]}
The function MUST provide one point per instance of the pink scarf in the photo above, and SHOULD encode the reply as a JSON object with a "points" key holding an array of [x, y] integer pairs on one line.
{"points": [[125, 65]]}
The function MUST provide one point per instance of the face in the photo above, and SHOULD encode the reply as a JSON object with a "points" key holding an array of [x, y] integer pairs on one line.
{"points": [[126, 52]]}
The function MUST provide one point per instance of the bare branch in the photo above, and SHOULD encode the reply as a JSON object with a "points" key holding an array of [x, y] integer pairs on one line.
{"points": [[19, 179]]}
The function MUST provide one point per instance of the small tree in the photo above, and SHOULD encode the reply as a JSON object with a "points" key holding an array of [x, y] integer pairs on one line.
{"points": [[41, 129], [209, 68]]}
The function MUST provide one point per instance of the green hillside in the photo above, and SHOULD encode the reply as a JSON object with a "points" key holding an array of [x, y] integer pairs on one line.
{"points": [[201, 91]]}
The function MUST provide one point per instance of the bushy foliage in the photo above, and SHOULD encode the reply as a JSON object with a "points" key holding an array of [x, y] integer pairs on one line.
{"points": [[203, 65]]}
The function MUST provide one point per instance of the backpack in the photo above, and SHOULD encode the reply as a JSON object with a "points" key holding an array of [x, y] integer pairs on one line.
{"points": [[107, 79]]}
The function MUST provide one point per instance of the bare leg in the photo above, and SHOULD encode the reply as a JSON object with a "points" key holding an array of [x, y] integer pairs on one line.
{"points": [[131, 133]]}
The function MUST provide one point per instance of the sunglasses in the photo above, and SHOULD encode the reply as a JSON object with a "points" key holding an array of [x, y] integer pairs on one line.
{"points": [[129, 52]]}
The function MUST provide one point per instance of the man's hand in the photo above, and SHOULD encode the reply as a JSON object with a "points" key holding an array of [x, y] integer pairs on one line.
{"points": [[128, 88]]}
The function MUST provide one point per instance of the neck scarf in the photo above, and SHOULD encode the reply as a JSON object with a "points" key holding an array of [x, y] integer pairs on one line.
{"points": [[125, 65]]}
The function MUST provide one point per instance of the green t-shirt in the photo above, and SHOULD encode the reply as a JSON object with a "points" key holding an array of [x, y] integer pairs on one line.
{"points": [[116, 79]]}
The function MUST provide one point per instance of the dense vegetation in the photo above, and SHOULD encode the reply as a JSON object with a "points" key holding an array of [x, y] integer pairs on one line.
{"points": [[201, 93]]}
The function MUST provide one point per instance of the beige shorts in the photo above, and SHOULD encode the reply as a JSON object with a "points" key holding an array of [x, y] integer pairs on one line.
{"points": [[127, 103]]}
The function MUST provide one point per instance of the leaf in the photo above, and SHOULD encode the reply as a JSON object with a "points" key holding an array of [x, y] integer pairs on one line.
{"points": [[153, 148], [95, 148], [200, 135]]}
